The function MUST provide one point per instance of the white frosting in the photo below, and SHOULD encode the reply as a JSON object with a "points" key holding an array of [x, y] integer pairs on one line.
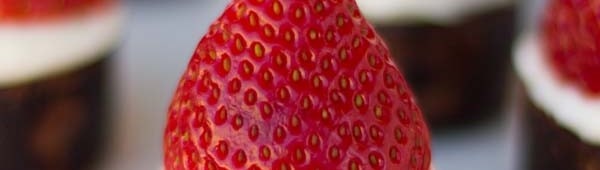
{"points": [[565, 102], [436, 11], [29, 51]]}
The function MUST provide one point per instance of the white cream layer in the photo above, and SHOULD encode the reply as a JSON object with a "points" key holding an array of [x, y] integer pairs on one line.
{"points": [[437, 11], [565, 102], [29, 51]]}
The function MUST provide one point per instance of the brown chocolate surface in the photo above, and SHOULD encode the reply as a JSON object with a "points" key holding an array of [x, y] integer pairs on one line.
{"points": [[55, 123], [457, 72], [551, 146]]}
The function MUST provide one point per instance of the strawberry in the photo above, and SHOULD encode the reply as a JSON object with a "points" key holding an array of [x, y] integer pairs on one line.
{"points": [[43, 9], [284, 84], [571, 35]]}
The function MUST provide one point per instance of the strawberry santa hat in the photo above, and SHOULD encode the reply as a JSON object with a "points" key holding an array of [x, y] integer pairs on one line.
{"points": [[36, 10], [570, 31]]}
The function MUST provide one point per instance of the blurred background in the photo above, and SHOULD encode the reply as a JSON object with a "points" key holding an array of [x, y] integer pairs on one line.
{"points": [[159, 37]]}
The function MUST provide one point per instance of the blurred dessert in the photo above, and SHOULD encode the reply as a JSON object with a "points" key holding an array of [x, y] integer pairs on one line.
{"points": [[560, 70], [53, 63], [455, 53]]}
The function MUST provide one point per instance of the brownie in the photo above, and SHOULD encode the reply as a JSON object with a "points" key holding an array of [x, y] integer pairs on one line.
{"points": [[55, 123], [550, 146], [458, 72]]}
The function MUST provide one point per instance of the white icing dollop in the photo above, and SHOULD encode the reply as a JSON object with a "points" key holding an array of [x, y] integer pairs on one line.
{"points": [[29, 51], [566, 103], [437, 11]]}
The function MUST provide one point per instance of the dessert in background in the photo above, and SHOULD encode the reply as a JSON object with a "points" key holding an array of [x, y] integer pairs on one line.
{"points": [[286, 84], [455, 53], [53, 63], [558, 66]]}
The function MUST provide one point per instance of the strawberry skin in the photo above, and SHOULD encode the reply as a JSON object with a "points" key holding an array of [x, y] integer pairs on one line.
{"points": [[284, 84], [571, 34]]}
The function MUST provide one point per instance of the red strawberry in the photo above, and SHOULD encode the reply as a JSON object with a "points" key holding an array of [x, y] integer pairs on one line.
{"points": [[572, 36], [42, 9], [283, 84]]}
